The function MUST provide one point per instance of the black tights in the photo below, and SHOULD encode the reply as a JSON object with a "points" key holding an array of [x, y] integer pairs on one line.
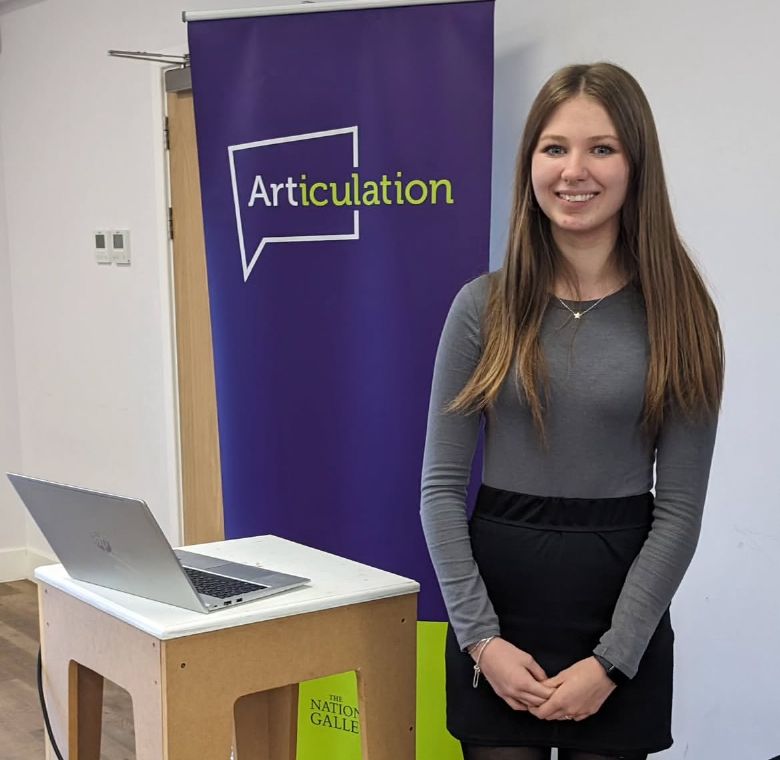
{"points": [[473, 752]]}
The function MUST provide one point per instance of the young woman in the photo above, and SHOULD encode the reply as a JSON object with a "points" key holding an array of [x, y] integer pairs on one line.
{"points": [[591, 356]]}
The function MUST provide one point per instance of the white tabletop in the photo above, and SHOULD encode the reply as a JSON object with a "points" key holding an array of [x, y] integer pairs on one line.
{"points": [[336, 582]]}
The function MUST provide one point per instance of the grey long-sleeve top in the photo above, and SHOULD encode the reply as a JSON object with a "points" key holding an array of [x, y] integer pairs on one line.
{"points": [[595, 450]]}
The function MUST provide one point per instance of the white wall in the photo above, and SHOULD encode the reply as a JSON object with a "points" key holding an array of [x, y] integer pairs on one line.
{"points": [[13, 541], [93, 362], [81, 150]]}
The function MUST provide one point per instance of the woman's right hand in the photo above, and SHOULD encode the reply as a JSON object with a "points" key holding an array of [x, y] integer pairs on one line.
{"points": [[514, 675]]}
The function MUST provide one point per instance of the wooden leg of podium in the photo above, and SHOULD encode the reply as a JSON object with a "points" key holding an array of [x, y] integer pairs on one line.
{"points": [[387, 715], [213, 738], [266, 724], [80, 647], [56, 682], [197, 726], [73, 692], [85, 712], [386, 685]]}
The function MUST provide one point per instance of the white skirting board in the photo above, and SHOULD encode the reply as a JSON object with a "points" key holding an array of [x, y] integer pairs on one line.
{"points": [[19, 563]]}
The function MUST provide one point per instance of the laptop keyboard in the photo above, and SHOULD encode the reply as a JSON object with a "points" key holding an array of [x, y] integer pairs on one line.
{"points": [[218, 585]]}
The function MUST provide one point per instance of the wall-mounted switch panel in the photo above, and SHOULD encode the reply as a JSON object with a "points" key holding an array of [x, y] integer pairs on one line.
{"points": [[120, 246], [102, 252]]}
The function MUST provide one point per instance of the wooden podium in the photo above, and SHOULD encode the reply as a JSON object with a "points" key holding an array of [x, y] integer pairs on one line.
{"points": [[201, 684]]}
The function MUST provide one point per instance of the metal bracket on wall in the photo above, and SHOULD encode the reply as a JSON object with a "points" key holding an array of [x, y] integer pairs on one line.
{"points": [[141, 55], [176, 79]]}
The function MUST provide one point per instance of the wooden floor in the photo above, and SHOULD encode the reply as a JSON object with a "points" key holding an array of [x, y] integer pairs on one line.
{"points": [[21, 722]]}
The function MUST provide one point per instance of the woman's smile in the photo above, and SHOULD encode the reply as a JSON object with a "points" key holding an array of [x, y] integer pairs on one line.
{"points": [[576, 199]]}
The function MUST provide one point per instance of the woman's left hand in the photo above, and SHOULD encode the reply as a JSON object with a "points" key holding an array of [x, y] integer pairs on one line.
{"points": [[580, 690]]}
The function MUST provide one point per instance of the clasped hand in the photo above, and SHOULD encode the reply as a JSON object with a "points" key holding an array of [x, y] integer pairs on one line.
{"points": [[575, 693]]}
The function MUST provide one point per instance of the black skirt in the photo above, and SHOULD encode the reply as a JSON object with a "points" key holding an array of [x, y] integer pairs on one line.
{"points": [[553, 569]]}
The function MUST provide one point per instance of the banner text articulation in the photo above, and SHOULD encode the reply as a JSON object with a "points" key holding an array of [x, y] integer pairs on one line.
{"points": [[355, 192]]}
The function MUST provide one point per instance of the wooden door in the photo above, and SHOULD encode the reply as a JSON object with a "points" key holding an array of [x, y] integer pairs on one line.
{"points": [[199, 443]]}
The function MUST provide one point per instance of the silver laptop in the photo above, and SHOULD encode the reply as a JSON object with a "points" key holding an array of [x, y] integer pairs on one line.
{"points": [[115, 542]]}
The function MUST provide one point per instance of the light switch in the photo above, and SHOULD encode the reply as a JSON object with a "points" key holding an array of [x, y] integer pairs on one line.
{"points": [[120, 246], [102, 253]]}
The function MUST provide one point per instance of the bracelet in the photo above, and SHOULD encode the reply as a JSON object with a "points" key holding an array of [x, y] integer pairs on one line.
{"points": [[473, 647], [477, 670]]}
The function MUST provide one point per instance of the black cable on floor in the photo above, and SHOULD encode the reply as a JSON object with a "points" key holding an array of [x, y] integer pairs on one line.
{"points": [[44, 710]]}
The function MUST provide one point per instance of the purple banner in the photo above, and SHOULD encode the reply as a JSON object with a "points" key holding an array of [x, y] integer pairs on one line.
{"points": [[345, 163]]}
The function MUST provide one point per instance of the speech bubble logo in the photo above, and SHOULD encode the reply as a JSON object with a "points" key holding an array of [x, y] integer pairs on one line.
{"points": [[248, 161]]}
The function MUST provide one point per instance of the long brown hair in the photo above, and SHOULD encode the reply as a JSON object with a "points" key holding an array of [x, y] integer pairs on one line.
{"points": [[686, 346]]}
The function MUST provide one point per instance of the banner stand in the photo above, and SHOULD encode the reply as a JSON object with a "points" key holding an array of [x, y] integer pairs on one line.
{"points": [[345, 171]]}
